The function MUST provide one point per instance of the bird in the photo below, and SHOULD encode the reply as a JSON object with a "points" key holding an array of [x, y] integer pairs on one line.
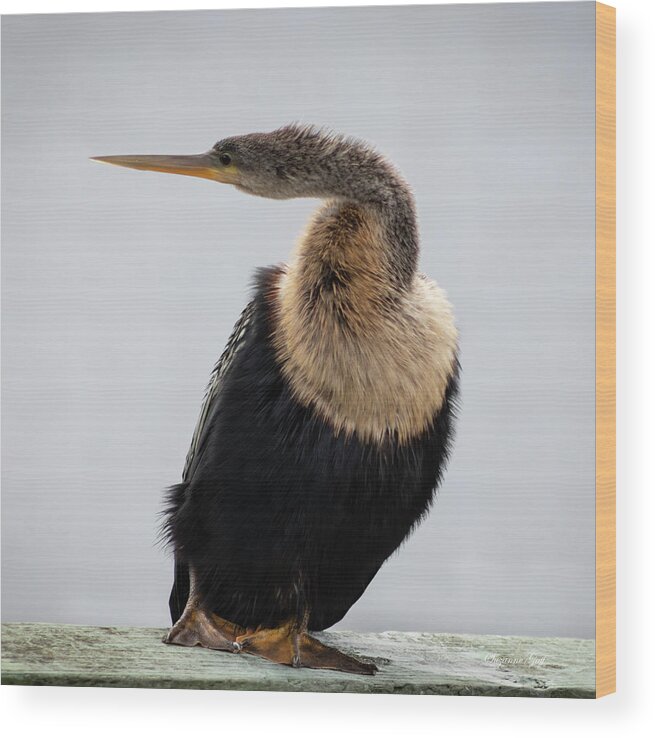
{"points": [[329, 418]]}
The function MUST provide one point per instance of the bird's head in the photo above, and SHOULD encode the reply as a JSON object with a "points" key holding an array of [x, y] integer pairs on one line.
{"points": [[294, 161]]}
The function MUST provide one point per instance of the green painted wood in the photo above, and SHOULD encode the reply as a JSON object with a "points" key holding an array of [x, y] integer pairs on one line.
{"points": [[409, 663]]}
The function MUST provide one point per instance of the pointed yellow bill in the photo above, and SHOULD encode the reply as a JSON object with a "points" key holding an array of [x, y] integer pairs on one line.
{"points": [[193, 165]]}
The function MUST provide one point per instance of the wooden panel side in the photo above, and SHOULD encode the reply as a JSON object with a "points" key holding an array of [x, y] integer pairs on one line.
{"points": [[605, 349]]}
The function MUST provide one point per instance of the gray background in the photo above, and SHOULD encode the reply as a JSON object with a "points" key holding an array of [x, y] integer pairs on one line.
{"points": [[120, 288]]}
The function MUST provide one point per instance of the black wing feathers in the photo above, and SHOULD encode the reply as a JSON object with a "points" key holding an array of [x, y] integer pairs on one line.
{"points": [[234, 343]]}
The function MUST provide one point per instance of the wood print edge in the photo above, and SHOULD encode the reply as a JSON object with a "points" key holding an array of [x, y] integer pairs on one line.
{"points": [[605, 350]]}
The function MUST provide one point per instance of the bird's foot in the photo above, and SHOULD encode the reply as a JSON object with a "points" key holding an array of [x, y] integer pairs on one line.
{"points": [[292, 647], [197, 627]]}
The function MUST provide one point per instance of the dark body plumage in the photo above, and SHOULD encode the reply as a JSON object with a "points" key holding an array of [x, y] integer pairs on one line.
{"points": [[278, 514]]}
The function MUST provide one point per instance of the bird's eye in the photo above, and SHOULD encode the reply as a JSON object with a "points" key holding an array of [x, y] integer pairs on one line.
{"points": [[225, 159]]}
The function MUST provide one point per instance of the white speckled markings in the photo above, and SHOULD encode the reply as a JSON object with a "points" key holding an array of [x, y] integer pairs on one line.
{"points": [[409, 663]]}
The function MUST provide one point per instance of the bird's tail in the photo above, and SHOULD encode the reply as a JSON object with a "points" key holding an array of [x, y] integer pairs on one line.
{"points": [[180, 591], [174, 500]]}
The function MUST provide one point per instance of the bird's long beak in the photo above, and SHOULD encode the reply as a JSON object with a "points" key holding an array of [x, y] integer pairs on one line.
{"points": [[194, 165]]}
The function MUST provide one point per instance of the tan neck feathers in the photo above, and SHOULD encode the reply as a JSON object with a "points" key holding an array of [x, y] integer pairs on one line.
{"points": [[370, 359]]}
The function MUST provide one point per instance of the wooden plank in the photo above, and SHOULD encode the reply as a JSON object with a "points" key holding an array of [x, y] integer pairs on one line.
{"points": [[409, 663], [605, 349]]}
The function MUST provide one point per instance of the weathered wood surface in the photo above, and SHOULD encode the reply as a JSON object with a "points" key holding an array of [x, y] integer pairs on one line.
{"points": [[409, 663]]}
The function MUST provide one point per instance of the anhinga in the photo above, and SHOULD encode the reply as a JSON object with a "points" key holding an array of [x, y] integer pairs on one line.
{"points": [[328, 419]]}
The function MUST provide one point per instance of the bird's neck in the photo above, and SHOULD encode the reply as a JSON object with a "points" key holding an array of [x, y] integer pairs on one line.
{"points": [[372, 205], [352, 264], [360, 250], [368, 352]]}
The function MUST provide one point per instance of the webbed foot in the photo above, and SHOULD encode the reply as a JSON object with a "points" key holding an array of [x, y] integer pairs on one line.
{"points": [[292, 647], [197, 627]]}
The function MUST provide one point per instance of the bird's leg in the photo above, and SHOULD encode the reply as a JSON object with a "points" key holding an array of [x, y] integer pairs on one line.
{"points": [[198, 626], [291, 644]]}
